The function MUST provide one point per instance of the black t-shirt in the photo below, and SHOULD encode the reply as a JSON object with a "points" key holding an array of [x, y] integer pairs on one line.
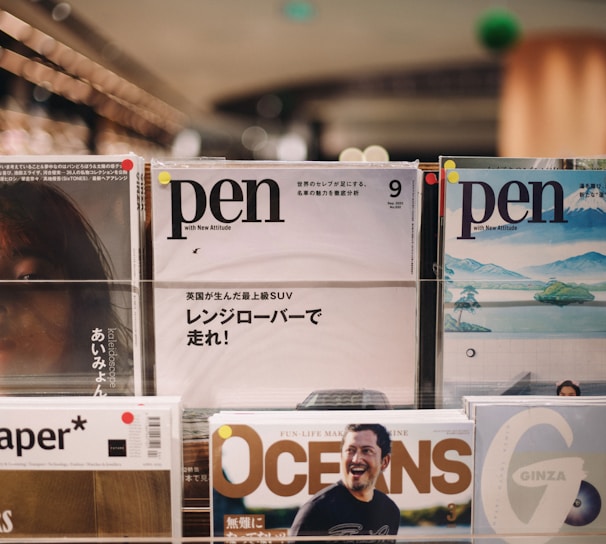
{"points": [[335, 511]]}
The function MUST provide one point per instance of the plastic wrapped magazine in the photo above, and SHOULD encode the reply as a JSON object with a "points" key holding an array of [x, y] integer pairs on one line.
{"points": [[342, 473], [539, 469], [70, 250], [114, 463], [523, 258], [274, 280]]}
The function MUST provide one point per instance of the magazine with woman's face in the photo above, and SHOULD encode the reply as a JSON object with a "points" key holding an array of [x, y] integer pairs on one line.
{"points": [[69, 272]]}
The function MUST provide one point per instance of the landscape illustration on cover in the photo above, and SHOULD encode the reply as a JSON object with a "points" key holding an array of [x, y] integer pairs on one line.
{"points": [[525, 252]]}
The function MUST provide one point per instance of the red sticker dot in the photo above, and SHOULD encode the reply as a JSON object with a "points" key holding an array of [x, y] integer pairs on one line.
{"points": [[128, 417], [127, 165], [431, 178]]}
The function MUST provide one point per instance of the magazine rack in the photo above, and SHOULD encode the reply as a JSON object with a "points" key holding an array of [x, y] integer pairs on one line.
{"points": [[421, 294]]}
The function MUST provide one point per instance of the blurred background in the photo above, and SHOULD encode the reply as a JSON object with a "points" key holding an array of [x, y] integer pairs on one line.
{"points": [[303, 79]]}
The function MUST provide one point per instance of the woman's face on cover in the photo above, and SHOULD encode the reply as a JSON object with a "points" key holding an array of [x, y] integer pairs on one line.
{"points": [[35, 317]]}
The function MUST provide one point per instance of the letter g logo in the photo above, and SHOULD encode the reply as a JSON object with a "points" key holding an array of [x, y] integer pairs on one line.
{"points": [[558, 494]]}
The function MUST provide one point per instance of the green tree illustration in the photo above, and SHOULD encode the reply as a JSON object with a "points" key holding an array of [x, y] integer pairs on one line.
{"points": [[467, 302]]}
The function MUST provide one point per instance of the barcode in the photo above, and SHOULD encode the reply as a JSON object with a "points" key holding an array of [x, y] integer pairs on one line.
{"points": [[154, 437]]}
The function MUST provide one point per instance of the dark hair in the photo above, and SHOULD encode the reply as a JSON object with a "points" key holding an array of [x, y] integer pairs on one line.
{"points": [[39, 216], [382, 434], [42, 216], [568, 383]]}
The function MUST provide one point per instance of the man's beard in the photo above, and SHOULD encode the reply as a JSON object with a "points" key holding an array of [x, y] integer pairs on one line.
{"points": [[359, 484]]}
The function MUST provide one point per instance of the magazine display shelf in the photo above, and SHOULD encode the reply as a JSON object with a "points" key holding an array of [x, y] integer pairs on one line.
{"points": [[428, 393]]}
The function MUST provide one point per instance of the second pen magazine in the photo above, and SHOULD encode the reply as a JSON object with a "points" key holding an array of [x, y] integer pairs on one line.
{"points": [[523, 264]]}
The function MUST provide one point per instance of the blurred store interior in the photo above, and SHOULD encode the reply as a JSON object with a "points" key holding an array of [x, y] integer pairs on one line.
{"points": [[303, 79]]}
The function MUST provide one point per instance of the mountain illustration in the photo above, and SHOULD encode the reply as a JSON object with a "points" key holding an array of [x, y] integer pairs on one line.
{"points": [[470, 269], [585, 209], [588, 265], [588, 199]]}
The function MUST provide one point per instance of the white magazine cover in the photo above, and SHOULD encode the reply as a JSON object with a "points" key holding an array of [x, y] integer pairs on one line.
{"points": [[524, 258], [273, 280], [86, 467], [265, 468], [70, 255], [539, 474]]}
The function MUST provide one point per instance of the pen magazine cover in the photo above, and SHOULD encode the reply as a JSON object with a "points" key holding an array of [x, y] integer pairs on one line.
{"points": [[523, 264], [281, 279]]}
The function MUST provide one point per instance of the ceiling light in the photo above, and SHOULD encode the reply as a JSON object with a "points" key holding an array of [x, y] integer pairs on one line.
{"points": [[61, 12]]}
